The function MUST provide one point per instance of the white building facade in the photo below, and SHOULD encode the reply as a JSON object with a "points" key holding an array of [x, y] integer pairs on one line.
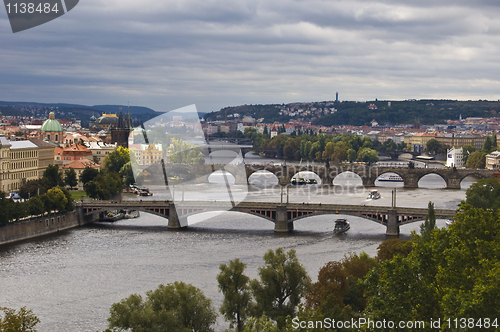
{"points": [[455, 157]]}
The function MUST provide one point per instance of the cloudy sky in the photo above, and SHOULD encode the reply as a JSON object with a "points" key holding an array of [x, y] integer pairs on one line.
{"points": [[166, 54]]}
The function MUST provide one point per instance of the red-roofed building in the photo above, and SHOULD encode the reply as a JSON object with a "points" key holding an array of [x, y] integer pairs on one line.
{"points": [[70, 153]]}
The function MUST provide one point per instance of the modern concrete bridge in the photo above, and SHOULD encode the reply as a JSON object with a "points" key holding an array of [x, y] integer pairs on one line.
{"points": [[283, 215], [368, 174]]}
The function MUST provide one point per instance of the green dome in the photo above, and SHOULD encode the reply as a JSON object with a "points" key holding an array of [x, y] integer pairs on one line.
{"points": [[51, 124]]}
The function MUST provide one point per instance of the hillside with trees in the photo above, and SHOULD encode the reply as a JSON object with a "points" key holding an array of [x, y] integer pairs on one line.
{"points": [[329, 113]]}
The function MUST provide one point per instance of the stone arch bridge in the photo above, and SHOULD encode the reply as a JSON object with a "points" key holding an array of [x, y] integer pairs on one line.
{"points": [[282, 215], [368, 174]]}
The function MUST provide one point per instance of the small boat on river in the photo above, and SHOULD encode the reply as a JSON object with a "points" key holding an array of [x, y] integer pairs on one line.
{"points": [[341, 226], [374, 194], [111, 216], [130, 214]]}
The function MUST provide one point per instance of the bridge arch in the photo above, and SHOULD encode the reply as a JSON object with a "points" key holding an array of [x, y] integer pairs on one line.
{"points": [[434, 174], [348, 178], [263, 178], [221, 176]]}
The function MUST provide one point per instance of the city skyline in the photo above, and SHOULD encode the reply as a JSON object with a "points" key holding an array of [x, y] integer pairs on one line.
{"points": [[217, 54]]}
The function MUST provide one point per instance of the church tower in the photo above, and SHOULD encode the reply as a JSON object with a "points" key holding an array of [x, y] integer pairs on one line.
{"points": [[121, 132]]}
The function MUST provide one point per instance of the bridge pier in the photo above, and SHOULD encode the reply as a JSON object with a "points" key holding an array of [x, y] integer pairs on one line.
{"points": [[173, 218], [453, 183], [392, 227], [411, 181], [281, 224]]}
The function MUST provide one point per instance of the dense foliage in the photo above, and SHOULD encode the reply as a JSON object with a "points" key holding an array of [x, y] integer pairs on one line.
{"points": [[39, 196], [359, 114], [23, 320], [175, 307], [323, 147]]}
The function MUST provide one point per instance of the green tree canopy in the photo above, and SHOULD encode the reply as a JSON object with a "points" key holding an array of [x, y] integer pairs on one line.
{"points": [[283, 283], [88, 174], [70, 177], [104, 186], [368, 155], [484, 194], [23, 320], [116, 159], [453, 274], [476, 159], [176, 307], [487, 145], [429, 224], [52, 177], [181, 152]]}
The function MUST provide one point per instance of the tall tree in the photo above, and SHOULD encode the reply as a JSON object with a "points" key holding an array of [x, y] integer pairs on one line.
{"points": [[283, 283], [476, 159], [487, 145], [70, 177], [234, 285], [429, 224], [52, 177], [88, 174]]}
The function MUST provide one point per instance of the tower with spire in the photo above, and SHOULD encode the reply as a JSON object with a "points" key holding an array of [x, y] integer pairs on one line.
{"points": [[120, 133]]}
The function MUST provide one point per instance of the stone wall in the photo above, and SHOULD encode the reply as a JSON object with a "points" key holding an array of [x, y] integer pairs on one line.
{"points": [[33, 227]]}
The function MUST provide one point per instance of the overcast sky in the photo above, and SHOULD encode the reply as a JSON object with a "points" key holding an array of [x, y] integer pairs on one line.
{"points": [[166, 54]]}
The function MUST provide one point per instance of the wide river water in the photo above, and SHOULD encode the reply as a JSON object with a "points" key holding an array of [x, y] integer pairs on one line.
{"points": [[71, 279]]}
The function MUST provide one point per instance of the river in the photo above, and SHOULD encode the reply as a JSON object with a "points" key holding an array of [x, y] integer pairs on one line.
{"points": [[70, 279]]}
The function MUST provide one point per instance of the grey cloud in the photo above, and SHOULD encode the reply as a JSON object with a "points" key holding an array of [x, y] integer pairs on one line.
{"points": [[218, 53]]}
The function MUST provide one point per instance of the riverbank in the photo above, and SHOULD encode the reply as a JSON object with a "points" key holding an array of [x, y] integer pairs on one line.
{"points": [[38, 226]]}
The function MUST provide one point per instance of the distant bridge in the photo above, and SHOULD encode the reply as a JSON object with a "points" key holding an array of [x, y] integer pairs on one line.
{"points": [[368, 174], [283, 215]]}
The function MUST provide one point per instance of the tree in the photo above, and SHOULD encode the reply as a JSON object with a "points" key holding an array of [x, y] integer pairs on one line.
{"points": [[391, 247], [35, 205], [181, 152], [368, 155], [176, 307], [52, 177], [283, 283], [88, 174], [487, 145], [434, 146], [116, 159], [127, 173], [70, 177], [24, 320], [477, 159], [484, 194], [494, 143], [466, 151], [234, 285], [351, 155], [57, 198], [429, 224], [453, 274], [30, 188], [104, 186]]}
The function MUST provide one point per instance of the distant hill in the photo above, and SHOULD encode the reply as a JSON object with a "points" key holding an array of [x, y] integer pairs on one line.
{"points": [[330, 113], [117, 108]]}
